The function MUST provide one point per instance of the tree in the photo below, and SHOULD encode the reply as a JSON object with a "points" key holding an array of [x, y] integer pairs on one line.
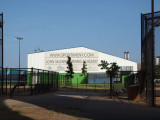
{"points": [[69, 68], [111, 70], [84, 69]]}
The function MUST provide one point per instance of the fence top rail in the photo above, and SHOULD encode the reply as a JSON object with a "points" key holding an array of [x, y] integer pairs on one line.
{"points": [[151, 13], [42, 70], [105, 72], [28, 69]]}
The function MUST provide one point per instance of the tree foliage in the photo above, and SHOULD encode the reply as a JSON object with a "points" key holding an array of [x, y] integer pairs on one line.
{"points": [[84, 69], [111, 68], [69, 68]]}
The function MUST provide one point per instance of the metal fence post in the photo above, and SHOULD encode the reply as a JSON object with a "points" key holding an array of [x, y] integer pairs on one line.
{"points": [[43, 82], [10, 78], [2, 57], [86, 84], [57, 81], [6, 80], [18, 79], [153, 56], [110, 86], [2, 80], [77, 84], [48, 83], [104, 87], [24, 82], [38, 80], [71, 82], [94, 84], [31, 80], [35, 82], [52, 81], [63, 80]]}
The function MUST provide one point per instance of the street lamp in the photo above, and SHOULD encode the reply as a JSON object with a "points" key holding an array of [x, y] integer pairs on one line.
{"points": [[19, 38]]}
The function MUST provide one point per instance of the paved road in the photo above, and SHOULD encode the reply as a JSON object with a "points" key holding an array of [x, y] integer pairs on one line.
{"points": [[86, 106]]}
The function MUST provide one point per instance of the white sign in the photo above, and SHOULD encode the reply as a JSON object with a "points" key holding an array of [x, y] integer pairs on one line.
{"points": [[57, 61]]}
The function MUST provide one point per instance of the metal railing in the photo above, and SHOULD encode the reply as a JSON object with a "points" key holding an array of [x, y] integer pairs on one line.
{"points": [[95, 82], [28, 81]]}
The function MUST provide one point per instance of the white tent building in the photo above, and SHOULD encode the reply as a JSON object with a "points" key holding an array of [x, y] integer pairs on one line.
{"points": [[56, 60]]}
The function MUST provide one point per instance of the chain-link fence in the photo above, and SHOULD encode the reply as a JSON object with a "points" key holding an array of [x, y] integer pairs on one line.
{"points": [[97, 82], [157, 60], [146, 55], [150, 57]]}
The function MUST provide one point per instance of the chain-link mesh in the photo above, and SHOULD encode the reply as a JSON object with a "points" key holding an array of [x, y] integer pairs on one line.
{"points": [[157, 61], [149, 49], [146, 55]]}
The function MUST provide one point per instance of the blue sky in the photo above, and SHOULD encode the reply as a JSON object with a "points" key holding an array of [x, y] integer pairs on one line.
{"points": [[109, 26]]}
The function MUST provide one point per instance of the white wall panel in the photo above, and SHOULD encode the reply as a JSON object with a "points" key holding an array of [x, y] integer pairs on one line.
{"points": [[46, 60], [36, 60]]}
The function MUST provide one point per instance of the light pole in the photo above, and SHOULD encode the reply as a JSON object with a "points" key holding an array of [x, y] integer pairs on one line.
{"points": [[19, 38]]}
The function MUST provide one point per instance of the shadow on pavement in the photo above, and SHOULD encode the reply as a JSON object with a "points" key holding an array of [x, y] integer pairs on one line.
{"points": [[84, 105], [7, 113]]}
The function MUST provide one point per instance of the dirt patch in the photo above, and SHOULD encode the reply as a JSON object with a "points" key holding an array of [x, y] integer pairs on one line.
{"points": [[34, 113]]}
